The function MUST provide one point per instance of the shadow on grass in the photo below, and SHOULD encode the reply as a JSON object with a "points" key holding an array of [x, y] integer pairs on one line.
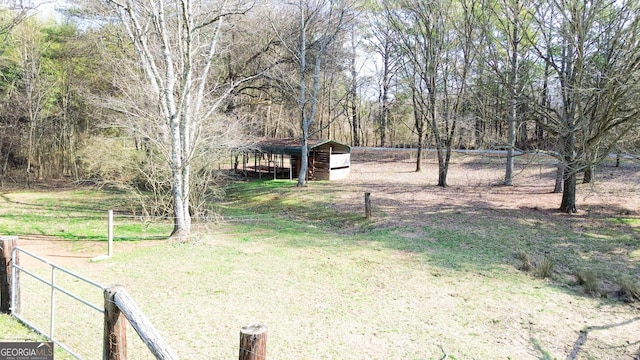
{"points": [[544, 355], [84, 201], [582, 337], [474, 236]]}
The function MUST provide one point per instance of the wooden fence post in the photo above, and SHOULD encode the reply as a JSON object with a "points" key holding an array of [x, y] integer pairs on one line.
{"points": [[115, 328], [7, 243], [139, 322], [253, 342], [367, 204]]}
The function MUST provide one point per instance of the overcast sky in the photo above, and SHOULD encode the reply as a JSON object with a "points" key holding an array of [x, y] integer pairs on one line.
{"points": [[46, 8]]}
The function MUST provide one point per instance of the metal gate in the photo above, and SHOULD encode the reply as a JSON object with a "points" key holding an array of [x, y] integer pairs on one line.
{"points": [[55, 287]]}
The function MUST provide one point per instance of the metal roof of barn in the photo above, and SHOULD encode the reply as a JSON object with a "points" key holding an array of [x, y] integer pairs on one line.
{"points": [[292, 146]]}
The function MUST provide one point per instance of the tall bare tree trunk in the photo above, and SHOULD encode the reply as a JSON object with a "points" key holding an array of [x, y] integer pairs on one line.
{"points": [[304, 120], [308, 104], [513, 104], [355, 121], [419, 125], [384, 96], [176, 48]]}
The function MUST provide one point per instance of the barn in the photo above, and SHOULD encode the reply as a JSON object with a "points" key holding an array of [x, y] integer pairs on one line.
{"points": [[282, 158]]}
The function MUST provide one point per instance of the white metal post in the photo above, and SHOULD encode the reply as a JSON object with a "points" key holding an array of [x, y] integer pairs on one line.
{"points": [[110, 233], [52, 323]]}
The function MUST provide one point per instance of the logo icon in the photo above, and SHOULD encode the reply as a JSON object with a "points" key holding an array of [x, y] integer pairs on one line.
{"points": [[33, 350]]}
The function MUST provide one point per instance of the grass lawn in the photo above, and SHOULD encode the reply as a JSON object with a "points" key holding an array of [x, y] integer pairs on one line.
{"points": [[414, 282]]}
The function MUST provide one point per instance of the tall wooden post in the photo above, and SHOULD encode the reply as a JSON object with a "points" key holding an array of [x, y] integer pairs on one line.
{"points": [[115, 328], [367, 204], [7, 244], [253, 342], [139, 322]]}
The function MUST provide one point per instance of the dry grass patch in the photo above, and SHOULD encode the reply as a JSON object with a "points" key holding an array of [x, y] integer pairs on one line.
{"points": [[589, 281], [433, 272]]}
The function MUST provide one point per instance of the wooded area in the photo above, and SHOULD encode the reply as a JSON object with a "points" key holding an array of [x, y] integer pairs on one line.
{"points": [[149, 95]]}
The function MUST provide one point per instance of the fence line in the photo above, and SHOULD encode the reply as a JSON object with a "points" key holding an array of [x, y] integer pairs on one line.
{"points": [[118, 309], [116, 301], [118, 306], [17, 269]]}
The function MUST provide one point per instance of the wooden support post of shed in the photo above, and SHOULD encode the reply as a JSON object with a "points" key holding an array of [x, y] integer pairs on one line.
{"points": [[367, 204], [257, 162], [253, 342], [7, 244], [244, 162], [282, 161], [290, 167], [115, 328]]}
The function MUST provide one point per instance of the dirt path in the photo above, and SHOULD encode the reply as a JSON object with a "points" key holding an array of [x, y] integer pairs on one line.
{"points": [[67, 253]]}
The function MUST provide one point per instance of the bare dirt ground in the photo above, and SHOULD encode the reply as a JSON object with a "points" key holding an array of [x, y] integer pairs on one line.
{"points": [[67, 253], [473, 181]]}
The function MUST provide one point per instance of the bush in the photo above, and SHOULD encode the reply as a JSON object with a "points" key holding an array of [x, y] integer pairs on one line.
{"points": [[629, 290], [589, 282], [524, 261], [544, 268]]}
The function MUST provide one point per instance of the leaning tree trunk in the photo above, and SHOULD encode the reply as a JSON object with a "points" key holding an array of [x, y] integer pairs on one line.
{"points": [[304, 165], [419, 154], [419, 124], [443, 167], [559, 178], [568, 204], [589, 172]]}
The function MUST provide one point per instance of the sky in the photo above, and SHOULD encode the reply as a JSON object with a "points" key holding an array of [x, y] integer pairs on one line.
{"points": [[46, 8]]}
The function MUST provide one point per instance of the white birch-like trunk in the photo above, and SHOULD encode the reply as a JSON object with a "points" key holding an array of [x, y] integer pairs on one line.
{"points": [[176, 55], [304, 165], [308, 104]]}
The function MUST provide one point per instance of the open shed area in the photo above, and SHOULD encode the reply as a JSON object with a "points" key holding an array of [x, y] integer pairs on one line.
{"points": [[282, 158]]}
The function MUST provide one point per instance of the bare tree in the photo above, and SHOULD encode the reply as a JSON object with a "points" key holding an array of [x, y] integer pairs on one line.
{"points": [[505, 24], [381, 41], [12, 13], [436, 41], [596, 83], [36, 89], [176, 42], [319, 24], [353, 88]]}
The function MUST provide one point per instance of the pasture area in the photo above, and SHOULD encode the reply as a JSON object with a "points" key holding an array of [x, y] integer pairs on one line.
{"points": [[435, 273]]}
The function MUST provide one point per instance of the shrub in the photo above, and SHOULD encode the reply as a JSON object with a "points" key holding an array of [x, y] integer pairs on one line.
{"points": [[524, 261], [589, 282], [544, 268], [629, 290]]}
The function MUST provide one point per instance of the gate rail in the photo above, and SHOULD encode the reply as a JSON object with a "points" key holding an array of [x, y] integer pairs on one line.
{"points": [[118, 309], [16, 269]]}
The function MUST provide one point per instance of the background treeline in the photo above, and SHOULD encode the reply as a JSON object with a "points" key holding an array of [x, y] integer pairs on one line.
{"points": [[461, 74]]}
